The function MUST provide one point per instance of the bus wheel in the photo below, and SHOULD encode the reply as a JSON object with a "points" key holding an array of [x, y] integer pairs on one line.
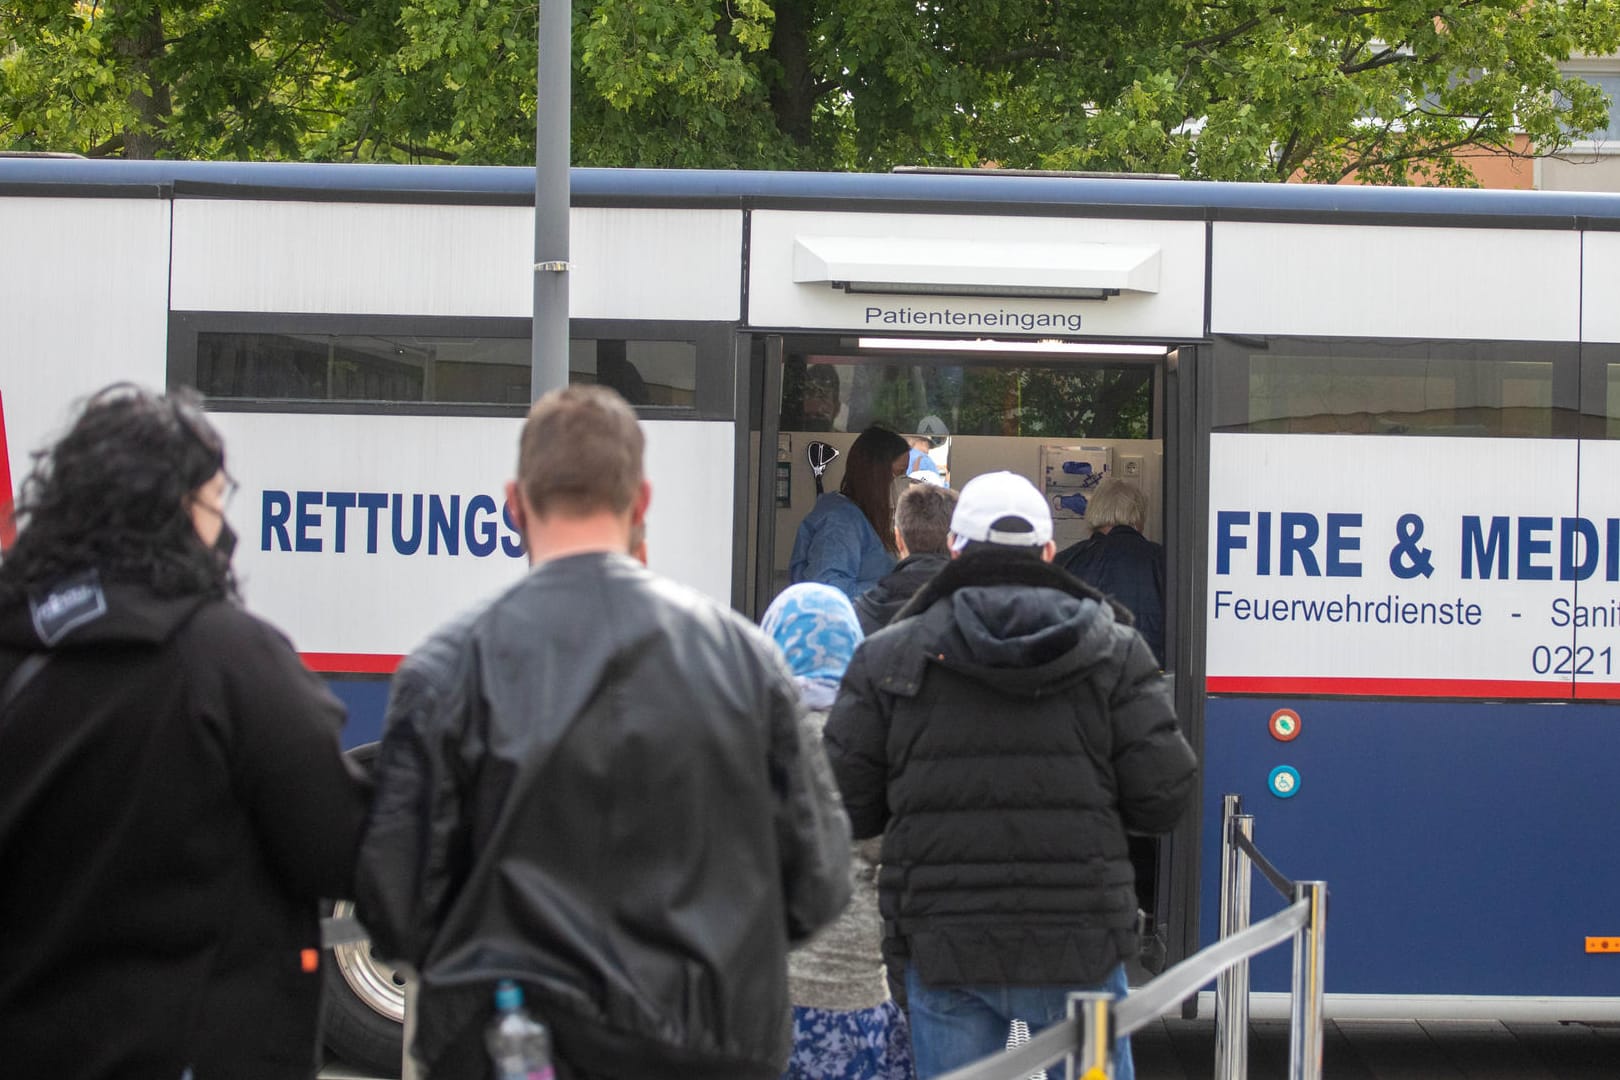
{"points": [[365, 1006], [364, 1015]]}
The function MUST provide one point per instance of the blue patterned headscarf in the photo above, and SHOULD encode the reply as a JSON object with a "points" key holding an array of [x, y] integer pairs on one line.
{"points": [[815, 627]]}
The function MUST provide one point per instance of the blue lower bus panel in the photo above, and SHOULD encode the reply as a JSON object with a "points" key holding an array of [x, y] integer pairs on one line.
{"points": [[1465, 845], [366, 698]]}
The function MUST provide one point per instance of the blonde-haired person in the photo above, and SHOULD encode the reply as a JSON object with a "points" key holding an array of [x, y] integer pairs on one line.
{"points": [[1118, 560]]}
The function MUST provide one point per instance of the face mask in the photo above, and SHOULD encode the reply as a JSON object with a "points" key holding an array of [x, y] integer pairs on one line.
{"points": [[225, 542]]}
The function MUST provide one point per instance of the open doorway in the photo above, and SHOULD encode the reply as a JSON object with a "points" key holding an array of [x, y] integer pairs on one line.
{"points": [[1066, 415]]}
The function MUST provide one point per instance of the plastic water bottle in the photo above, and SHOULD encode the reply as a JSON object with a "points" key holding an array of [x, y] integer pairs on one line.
{"points": [[519, 1045]]}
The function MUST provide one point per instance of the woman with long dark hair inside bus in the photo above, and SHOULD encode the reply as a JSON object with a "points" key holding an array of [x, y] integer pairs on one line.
{"points": [[173, 801], [847, 539]]}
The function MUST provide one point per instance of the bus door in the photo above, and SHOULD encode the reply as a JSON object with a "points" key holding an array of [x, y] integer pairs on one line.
{"points": [[1067, 415]]}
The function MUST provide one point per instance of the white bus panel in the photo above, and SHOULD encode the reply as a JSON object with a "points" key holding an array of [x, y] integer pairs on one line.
{"points": [[83, 288], [1168, 302], [1428, 567], [1395, 282], [359, 535], [398, 259], [1600, 269]]}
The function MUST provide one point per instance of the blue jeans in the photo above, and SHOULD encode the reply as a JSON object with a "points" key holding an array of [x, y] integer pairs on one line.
{"points": [[952, 1026]]}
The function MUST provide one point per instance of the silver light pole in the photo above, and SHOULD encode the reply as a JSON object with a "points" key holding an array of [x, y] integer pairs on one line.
{"points": [[549, 357]]}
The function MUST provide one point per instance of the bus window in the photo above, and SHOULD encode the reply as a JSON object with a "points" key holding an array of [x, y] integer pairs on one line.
{"points": [[830, 392], [1519, 390], [644, 372], [1600, 391], [362, 367], [343, 362]]}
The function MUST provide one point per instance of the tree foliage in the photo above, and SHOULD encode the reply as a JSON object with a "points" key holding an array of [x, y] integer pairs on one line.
{"points": [[1389, 90]]}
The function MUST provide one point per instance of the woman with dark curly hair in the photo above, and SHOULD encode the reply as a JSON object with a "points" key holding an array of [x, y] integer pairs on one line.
{"points": [[173, 801]]}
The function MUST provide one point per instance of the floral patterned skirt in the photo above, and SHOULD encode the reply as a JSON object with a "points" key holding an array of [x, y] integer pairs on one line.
{"points": [[867, 1044]]}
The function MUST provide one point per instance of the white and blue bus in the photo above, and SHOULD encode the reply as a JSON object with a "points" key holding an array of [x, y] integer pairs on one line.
{"points": [[1379, 430]]}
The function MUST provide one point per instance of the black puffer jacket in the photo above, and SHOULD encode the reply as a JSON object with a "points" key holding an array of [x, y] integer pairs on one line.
{"points": [[877, 606], [599, 786], [173, 803], [1005, 737]]}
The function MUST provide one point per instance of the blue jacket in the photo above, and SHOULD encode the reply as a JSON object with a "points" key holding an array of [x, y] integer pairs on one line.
{"points": [[837, 546], [1129, 567]]}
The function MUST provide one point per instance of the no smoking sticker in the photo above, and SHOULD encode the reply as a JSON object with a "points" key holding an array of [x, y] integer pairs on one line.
{"points": [[1284, 725]]}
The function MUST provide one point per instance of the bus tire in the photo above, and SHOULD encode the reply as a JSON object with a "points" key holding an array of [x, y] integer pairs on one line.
{"points": [[364, 1012], [365, 1006]]}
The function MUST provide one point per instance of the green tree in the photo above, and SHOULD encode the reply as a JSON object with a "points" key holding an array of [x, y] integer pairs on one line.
{"points": [[158, 78], [1390, 90]]}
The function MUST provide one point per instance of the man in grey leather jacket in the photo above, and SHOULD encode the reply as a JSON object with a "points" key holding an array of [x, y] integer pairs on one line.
{"points": [[598, 786]]}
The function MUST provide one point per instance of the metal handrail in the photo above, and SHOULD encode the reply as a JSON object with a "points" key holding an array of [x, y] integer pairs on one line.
{"points": [[1226, 961]]}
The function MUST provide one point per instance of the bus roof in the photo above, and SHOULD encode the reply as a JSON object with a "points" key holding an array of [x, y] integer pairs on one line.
{"points": [[962, 192]]}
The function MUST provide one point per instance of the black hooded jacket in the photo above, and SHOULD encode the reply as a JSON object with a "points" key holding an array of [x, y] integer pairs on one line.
{"points": [[1002, 734], [599, 786], [173, 803], [877, 606]]}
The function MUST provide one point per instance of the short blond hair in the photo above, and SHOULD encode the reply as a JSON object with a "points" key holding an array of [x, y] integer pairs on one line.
{"points": [[1117, 502]]}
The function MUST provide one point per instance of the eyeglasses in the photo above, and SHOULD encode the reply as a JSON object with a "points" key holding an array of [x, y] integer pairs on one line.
{"points": [[226, 493]]}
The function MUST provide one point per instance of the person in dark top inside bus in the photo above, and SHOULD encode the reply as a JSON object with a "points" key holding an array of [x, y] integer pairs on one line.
{"points": [[1119, 561], [173, 800], [922, 523], [847, 539]]}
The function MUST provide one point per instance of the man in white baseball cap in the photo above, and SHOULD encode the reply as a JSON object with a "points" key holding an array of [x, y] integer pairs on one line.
{"points": [[1002, 508], [1001, 735]]}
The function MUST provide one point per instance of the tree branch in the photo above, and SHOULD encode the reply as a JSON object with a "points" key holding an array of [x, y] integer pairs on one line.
{"points": [[1029, 52], [1420, 153], [423, 151], [1284, 168], [108, 148], [1389, 56]]}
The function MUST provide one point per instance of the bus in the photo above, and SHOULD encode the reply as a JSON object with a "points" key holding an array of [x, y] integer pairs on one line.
{"points": [[1374, 426]]}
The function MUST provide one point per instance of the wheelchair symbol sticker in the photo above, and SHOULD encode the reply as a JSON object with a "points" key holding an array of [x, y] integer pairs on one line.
{"points": [[1284, 725], [1284, 781]]}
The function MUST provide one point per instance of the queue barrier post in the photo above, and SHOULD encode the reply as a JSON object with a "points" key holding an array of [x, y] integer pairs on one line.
{"points": [[1232, 986], [1096, 1058], [1306, 993]]}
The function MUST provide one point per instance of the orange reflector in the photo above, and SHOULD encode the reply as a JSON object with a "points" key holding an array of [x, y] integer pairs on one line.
{"points": [[310, 960], [1603, 944]]}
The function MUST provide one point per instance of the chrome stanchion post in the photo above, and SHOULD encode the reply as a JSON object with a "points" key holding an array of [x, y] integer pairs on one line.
{"points": [[1306, 998], [1096, 1060], [1232, 985], [408, 1067]]}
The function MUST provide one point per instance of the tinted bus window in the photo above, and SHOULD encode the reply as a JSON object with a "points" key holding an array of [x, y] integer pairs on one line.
{"points": [[365, 362], [1066, 400], [362, 367], [1396, 388]]}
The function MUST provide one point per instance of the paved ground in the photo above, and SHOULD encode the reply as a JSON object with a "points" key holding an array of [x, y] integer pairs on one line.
{"points": [[1176, 1049], [1394, 1050]]}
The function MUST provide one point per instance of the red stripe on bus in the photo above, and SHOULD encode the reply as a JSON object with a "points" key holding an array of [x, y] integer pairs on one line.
{"points": [[1597, 691], [8, 527], [1359, 687], [341, 663]]}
